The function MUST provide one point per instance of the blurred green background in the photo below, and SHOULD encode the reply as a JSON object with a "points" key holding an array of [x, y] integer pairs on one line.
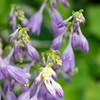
{"points": [[85, 84]]}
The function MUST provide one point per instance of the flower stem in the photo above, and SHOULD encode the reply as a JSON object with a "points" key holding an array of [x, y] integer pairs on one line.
{"points": [[3, 95]]}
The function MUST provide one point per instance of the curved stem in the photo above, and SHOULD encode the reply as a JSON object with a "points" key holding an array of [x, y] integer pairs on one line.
{"points": [[3, 95]]}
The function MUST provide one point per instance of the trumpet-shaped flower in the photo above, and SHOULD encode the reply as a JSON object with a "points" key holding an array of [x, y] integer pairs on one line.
{"points": [[67, 57], [36, 20]]}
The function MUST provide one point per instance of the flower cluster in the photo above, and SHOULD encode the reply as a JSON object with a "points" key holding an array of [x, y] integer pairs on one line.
{"points": [[77, 40], [14, 15], [43, 85]]}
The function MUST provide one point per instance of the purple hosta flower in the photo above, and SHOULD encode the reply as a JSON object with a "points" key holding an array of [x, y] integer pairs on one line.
{"points": [[16, 56], [13, 23], [76, 26], [8, 58], [3, 67], [67, 57], [83, 42], [56, 66], [35, 97], [1, 75], [75, 39], [36, 21], [25, 22], [11, 37], [24, 96], [12, 84], [62, 23], [46, 74], [33, 52], [42, 93], [26, 69], [17, 46], [6, 85], [10, 95], [59, 1], [56, 43], [66, 3], [53, 3], [57, 88], [11, 14], [18, 74], [56, 19]]}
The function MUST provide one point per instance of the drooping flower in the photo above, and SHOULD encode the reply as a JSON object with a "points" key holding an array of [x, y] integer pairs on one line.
{"points": [[3, 67], [35, 21], [18, 74], [65, 3], [67, 57], [75, 39], [83, 42], [53, 3], [33, 52], [10, 95], [56, 43], [35, 97], [11, 37], [52, 87], [56, 18], [24, 96]]}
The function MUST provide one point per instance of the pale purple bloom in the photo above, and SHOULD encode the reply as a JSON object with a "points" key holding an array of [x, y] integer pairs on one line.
{"points": [[75, 39], [10, 95], [3, 67], [24, 96], [42, 93], [18, 74], [12, 84], [11, 14], [67, 57], [35, 97], [59, 1], [50, 89], [56, 19], [8, 58], [1, 75], [6, 86], [26, 69], [56, 66], [11, 37], [56, 43], [13, 23], [66, 3], [83, 42], [16, 46], [76, 26], [62, 23], [53, 3], [25, 22], [33, 52], [57, 88], [36, 20], [16, 56]]}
